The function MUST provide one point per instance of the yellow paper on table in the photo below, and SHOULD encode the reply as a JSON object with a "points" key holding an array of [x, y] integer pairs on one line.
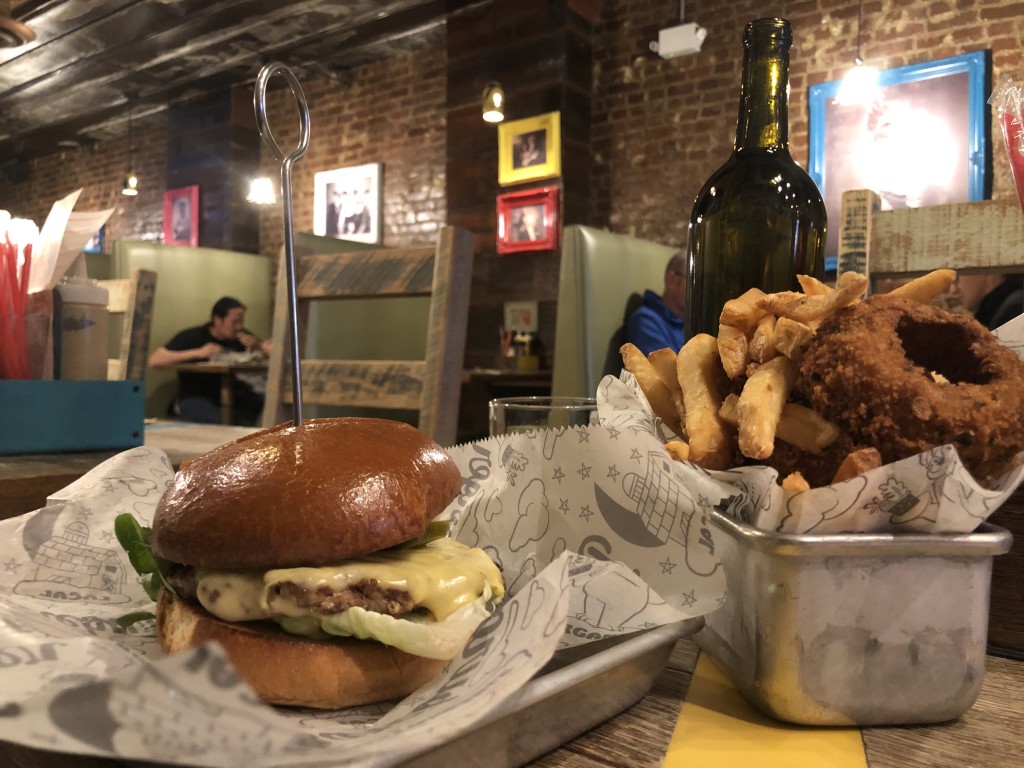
{"points": [[718, 728]]}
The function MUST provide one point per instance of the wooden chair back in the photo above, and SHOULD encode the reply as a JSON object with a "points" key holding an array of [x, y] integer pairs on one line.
{"points": [[429, 386], [132, 298]]}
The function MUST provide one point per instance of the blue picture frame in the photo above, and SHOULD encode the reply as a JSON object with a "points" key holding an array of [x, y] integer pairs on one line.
{"points": [[929, 129]]}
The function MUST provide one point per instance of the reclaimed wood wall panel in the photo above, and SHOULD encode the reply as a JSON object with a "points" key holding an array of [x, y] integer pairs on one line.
{"points": [[983, 235]]}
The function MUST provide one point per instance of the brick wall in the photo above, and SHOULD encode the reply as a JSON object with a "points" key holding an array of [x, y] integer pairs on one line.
{"points": [[99, 172], [390, 112], [660, 128]]}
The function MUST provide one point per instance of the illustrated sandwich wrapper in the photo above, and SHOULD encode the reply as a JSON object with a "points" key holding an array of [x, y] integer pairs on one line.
{"points": [[597, 530]]}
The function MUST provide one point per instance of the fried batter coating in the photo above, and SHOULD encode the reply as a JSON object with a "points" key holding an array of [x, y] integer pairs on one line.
{"points": [[871, 369]]}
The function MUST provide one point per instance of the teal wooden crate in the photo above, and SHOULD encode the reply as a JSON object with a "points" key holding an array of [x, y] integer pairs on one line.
{"points": [[56, 416]]}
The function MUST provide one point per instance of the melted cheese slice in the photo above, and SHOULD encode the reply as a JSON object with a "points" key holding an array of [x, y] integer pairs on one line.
{"points": [[442, 577]]}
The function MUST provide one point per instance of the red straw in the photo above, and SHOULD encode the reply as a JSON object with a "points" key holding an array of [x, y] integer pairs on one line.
{"points": [[13, 293]]}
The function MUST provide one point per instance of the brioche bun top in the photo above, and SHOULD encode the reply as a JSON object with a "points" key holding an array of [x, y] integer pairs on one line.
{"points": [[325, 491]]}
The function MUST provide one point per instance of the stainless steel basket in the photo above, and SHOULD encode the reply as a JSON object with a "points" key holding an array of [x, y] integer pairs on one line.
{"points": [[856, 629]]}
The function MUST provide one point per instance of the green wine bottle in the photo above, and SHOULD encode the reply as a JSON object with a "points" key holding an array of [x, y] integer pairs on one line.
{"points": [[759, 221]]}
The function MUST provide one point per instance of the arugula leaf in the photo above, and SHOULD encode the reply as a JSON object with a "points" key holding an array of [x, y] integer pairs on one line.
{"points": [[131, 618], [436, 529], [135, 539]]}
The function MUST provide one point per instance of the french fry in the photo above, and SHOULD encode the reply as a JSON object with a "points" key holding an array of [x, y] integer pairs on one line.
{"points": [[790, 337], [776, 303], [743, 311], [794, 482], [807, 308], [678, 450], [857, 463], [798, 425], [760, 406], [806, 429], [812, 286], [733, 349], [762, 343], [729, 412], [664, 362], [697, 367], [653, 387], [926, 287]]}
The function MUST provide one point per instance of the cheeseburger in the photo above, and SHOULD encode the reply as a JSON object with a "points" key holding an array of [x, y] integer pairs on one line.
{"points": [[302, 550]]}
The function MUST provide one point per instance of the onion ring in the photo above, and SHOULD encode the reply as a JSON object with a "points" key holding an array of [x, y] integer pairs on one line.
{"points": [[906, 377]]}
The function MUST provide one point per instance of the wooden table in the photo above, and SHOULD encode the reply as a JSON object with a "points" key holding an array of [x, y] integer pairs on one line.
{"points": [[26, 480], [227, 372], [988, 735]]}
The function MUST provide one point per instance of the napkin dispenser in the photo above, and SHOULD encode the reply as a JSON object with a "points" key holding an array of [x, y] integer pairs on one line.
{"points": [[67, 416]]}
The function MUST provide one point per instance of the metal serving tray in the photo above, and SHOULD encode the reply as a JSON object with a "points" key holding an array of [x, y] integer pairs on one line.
{"points": [[609, 675], [855, 629]]}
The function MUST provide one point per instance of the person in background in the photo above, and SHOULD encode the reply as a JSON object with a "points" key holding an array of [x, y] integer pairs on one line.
{"points": [[993, 299], [658, 323], [198, 397]]}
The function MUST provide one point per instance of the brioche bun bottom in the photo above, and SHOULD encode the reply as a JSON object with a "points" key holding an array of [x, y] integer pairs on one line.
{"points": [[292, 671]]}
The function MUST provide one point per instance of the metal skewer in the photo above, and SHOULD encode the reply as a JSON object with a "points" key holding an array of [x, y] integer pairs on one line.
{"points": [[260, 102]]}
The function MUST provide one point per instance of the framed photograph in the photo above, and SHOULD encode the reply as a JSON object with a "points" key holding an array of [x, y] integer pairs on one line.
{"points": [[530, 149], [521, 316], [181, 216], [922, 140], [528, 220], [95, 245], [347, 203]]}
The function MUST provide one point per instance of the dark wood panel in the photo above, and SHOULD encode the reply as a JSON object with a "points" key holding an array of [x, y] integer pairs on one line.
{"points": [[1006, 614]]}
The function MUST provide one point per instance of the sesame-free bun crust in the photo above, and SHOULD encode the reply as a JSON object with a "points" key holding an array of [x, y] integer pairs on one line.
{"points": [[319, 493], [288, 670]]}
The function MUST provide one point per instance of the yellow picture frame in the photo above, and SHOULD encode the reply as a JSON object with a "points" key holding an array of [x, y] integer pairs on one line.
{"points": [[530, 149]]}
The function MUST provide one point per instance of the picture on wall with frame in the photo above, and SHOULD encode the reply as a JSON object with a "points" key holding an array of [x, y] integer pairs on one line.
{"points": [[347, 203], [530, 149], [528, 220], [921, 140], [97, 242], [181, 216]]}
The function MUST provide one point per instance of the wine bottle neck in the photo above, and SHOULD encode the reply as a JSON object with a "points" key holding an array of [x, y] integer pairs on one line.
{"points": [[764, 97]]}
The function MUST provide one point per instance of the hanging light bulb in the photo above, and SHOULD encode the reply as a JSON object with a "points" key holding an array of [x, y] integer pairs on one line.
{"points": [[860, 85], [130, 186], [261, 191], [493, 103]]}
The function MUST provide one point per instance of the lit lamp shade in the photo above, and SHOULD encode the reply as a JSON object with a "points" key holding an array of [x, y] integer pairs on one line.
{"points": [[261, 191], [131, 184], [859, 87], [494, 103]]}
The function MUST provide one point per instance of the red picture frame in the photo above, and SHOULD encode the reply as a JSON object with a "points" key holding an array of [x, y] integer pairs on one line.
{"points": [[181, 216], [528, 220]]}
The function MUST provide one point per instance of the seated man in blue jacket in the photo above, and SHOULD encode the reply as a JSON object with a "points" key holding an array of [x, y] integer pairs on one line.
{"points": [[658, 323]]}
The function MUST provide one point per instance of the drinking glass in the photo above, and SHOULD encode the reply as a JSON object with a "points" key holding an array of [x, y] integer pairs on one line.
{"points": [[521, 414]]}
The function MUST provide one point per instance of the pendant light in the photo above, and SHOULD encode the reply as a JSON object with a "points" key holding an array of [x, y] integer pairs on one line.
{"points": [[860, 85], [493, 103], [261, 191], [130, 186]]}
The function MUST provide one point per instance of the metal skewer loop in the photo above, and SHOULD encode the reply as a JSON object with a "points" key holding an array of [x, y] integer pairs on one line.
{"points": [[287, 161]]}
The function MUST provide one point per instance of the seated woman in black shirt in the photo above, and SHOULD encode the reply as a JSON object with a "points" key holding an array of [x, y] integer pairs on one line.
{"points": [[198, 396]]}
